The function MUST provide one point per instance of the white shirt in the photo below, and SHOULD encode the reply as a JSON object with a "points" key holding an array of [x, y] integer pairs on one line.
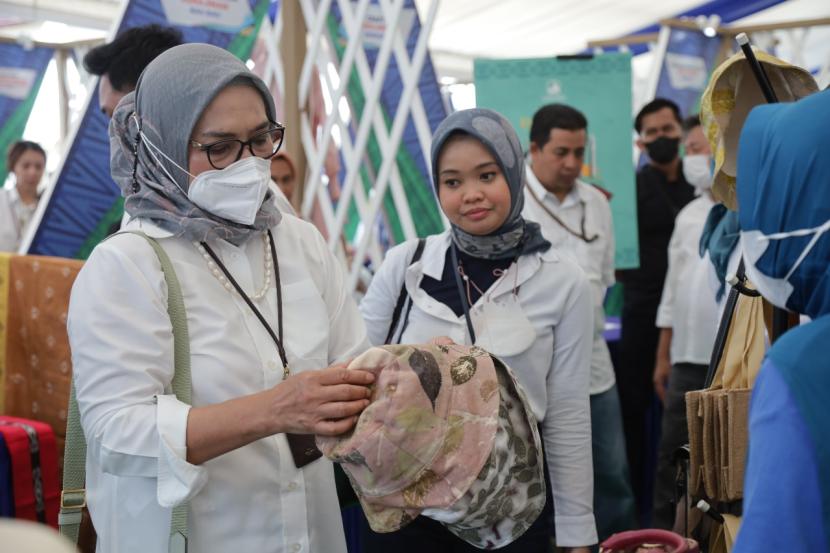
{"points": [[15, 216], [554, 370], [583, 203], [688, 305], [252, 498]]}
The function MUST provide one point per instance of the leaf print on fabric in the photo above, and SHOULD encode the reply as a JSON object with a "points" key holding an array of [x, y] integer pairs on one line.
{"points": [[488, 388], [463, 369], [535, 489], [477, 351], [356, 458], [417, 419], [454, 435], [414, 494], [429, 374]]}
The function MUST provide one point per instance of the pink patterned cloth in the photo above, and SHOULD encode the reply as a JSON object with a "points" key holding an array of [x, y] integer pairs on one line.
{"points": [[449, 434]]}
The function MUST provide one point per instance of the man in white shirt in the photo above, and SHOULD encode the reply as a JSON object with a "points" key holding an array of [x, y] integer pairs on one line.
{"points": [[687, 319], [576, 219]]}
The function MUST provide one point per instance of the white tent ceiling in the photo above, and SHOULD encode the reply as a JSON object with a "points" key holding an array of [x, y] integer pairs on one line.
{"points": [[464, 29]]}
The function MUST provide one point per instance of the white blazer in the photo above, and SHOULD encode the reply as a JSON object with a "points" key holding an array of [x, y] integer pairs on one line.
{"points": [[252, 498], [554, 369]]}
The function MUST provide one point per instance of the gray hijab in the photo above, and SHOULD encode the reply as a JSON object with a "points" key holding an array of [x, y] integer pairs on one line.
{"points": [[169, 98], [516, 236]]}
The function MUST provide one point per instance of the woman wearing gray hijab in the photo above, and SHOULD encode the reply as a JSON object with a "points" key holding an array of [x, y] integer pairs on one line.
{"points": [[494, 281], [268, 316]]}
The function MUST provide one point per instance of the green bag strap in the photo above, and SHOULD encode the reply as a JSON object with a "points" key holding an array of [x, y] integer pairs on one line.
{"points": [[73, 496]]}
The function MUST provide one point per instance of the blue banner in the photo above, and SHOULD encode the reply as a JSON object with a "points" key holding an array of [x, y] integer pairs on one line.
{"points": [[21, 72], [84, 200], [689, 60]]}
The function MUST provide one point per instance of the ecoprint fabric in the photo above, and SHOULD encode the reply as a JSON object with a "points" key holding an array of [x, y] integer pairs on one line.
{"points": [[449, 435], [509, 493]]}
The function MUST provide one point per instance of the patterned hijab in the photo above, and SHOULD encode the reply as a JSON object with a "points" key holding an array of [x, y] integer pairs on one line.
{"points": [[516, 236], [168, 101]]}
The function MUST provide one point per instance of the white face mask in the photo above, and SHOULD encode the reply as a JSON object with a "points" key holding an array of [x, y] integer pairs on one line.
{"points": [[697, 169], [234, 193], [754, 243]]}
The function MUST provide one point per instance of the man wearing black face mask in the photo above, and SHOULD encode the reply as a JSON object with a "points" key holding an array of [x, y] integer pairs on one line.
{"points": [[662, 191]]}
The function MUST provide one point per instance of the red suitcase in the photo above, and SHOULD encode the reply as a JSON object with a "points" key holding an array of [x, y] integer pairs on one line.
{"points": [[34, 459]]}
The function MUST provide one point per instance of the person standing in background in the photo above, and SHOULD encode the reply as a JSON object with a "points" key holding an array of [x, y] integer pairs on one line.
{"points": [[283, 182], [687, 319], [27, 162], [120, 62], [576, 218], [494, 281], [662, 191]]}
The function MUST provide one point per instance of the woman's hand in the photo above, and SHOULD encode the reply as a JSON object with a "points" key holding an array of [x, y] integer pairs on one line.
{"points": [[325, 402]]}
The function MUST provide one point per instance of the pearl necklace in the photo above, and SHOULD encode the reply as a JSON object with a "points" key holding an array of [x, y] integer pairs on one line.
{"points": [[223, 280]]}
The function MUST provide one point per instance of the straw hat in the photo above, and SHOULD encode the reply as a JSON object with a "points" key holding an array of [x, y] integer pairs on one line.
{"points": [[448, 434], [732, 92]]}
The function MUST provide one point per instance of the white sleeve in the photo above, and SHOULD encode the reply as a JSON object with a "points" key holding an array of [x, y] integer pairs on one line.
{"points": [[122, 354], [378, 305], [665, 312], [567, 425], [347, 333]]}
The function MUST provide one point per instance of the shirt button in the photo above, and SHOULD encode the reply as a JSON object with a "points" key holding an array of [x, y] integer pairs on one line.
{"points": [[296, 547], [272, 365], [291, 487]]}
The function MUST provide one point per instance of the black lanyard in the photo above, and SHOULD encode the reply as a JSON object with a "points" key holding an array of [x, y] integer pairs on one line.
{"points": [[464, 305], [277, 340], [581, 234]]}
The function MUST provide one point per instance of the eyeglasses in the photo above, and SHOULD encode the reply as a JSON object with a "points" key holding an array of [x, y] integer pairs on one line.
{"points": [[264, 144]]}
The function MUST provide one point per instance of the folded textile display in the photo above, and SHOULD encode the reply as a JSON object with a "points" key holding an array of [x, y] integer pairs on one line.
{"points": [[449, 434], [35, 361]]}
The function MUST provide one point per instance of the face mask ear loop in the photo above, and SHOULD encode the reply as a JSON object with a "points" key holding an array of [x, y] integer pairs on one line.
{"points": [[150, 148], [817, 233]]}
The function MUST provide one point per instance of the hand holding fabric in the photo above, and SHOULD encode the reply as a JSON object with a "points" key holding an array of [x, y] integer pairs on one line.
{"points": [[325, 402]]}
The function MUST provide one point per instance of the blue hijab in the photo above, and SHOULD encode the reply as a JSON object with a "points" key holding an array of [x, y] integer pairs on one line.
{"points": [[719, 238], [784, 209], [784, 200], [516, 236]]}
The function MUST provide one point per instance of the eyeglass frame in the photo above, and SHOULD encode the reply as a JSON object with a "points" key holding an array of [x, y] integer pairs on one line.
{"points": [[242, 143]]}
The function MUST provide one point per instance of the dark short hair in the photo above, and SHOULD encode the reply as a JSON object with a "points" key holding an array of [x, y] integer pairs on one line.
{"points": [[691, 122], [123, 59], [555, 116], [654, 106], [19, 148]]}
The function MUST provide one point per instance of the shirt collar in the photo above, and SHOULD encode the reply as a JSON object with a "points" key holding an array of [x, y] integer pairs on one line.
{"points": [[432, 264], [574, 197]]}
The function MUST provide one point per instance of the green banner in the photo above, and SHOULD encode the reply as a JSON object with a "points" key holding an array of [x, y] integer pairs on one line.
{"points": [[600, 87]]}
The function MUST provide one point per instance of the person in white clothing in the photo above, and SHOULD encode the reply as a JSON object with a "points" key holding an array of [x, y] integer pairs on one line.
{"points": [[576, 218], [26, 161], [687, 318], [266, 306], [493, 280]]}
